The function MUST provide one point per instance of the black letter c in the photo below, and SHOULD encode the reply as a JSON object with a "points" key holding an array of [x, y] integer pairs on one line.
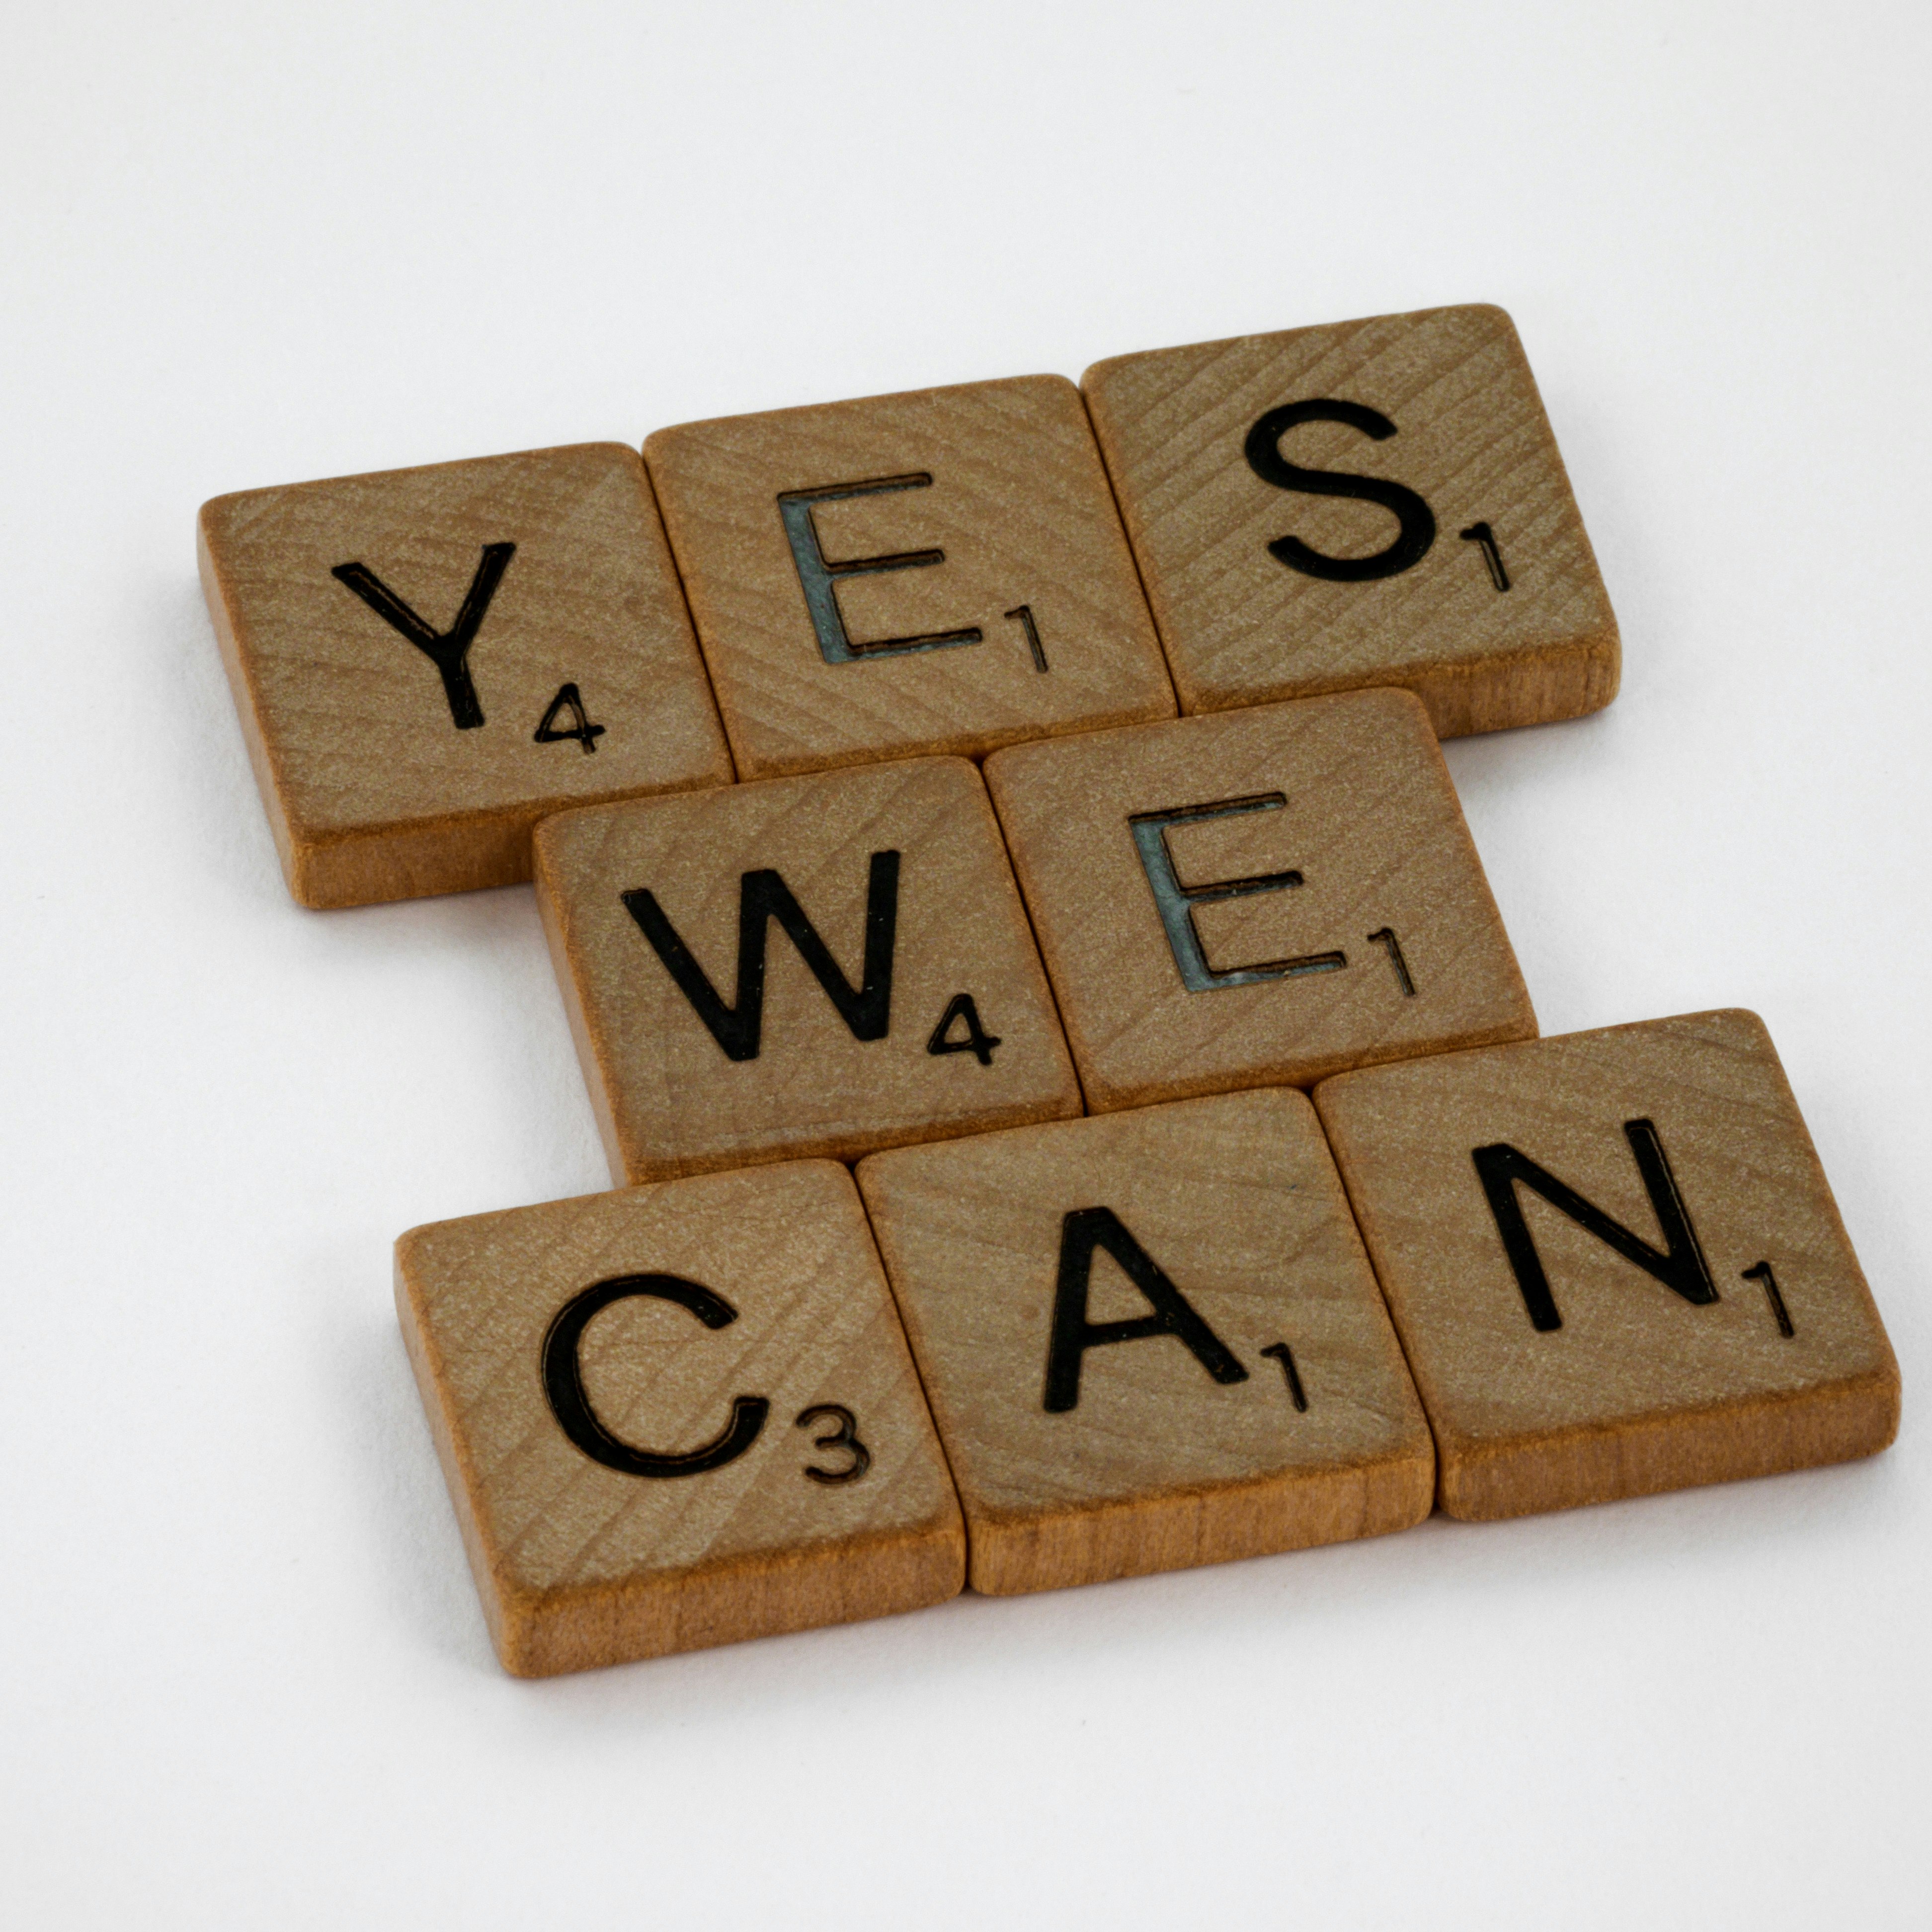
{"points": [[1266, 461], [570, 1403]]}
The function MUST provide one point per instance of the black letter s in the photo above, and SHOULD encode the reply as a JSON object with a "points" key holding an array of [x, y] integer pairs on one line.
{"points": [[1266, 461]]}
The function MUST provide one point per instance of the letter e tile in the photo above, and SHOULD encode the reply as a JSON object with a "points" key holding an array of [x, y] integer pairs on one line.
{"points": [[1150, 1339], [1615, 1263], [427, 661], [677, 1416], [821, 965], [1262, 896], [1374, 502], [939, 572]]}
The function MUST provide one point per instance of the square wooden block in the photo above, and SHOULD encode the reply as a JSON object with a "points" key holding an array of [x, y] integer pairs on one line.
{"points": [[427, 661], [1615, 1264], [1268, 896], [1149, 1340], [677, 1416], [807, 966], [939, 571], [1375, 503]]}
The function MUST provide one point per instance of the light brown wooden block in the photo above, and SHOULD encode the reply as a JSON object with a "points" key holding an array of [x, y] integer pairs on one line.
{"points": [[1284, 1418], [677, 1416], [939, 572], [659, 912], [1326, 910], [1473, 584], [1712, 1324], [391, 770]]}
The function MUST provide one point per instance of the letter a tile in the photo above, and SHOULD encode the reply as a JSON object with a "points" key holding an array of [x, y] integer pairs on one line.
{"points": [[427, 661], [1149, 1340], [1615, 1263], [822, 965], [940, 572], [1376, 502], [677, 1416], [1266, 895]]}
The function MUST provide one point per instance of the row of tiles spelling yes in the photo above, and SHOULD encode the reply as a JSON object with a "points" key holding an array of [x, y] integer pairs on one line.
{"points": [[427, 661], [683, 1413], [832, 965]]}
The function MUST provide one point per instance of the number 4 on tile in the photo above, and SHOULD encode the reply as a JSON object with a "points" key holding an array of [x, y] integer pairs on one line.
{"points": [[567, 701], [978, 1042]]}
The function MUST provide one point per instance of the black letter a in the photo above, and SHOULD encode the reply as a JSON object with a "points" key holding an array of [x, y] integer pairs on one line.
{"points": [[1083, 1231], [1681, 1267], [764, 896]]}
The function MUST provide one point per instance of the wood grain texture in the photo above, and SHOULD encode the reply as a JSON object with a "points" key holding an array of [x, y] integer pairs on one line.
{"points": [[1639, 1389], [1158, 1465], [670, 1098], [1018, 508], [373, 791], [1471, 438], [579, 1564], [1364, 812]]}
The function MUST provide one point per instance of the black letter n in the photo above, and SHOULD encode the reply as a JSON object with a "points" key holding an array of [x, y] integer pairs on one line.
{"points": [[763, 895], [1083, 1231], [1681, 1267]]}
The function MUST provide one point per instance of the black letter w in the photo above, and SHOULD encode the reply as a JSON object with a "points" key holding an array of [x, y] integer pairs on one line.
{"points": [[763, 895], [1681, 1267]]}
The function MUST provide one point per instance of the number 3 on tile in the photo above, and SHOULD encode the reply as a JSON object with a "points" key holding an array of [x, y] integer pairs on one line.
{"points": [[844, 1435]]}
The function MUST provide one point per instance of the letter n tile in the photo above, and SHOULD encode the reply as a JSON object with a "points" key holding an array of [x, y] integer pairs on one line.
{"points": [[1614, 1262]]}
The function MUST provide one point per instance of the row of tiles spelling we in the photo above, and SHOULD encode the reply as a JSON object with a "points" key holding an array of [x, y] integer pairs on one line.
{"points": [[1258, 897], [684, 1414], [428, 661]]}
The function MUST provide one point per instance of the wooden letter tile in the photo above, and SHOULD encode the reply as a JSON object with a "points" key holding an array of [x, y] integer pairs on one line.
{"points": [[1149, 1340], [1615, 1264], [676, 1417], [1377, 502], [427, 661], [1268, 896], [939, 571], [822, 965]]}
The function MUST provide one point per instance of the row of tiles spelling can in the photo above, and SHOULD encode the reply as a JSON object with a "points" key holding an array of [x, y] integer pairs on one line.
{"points": [[1517, 1279], [429, 661]]}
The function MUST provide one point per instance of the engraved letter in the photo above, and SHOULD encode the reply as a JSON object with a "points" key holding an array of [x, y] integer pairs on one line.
{"points": [[819, 576], [1176, 902], [1083, 1231], [1266, 461], [449, 651], [570, 1402], [763, 895], [1681, 1267]]}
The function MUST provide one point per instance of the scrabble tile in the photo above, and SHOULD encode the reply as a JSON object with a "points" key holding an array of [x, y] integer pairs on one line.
{"points": [[1264, 896], [426, 661], [1150, 1339], [677, 1416], [942, 572], [822, 965], [1615, 1263], [1375, 503]]}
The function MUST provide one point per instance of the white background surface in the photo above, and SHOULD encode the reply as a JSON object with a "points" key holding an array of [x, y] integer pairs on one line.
{"points": [[246, 1680]]}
